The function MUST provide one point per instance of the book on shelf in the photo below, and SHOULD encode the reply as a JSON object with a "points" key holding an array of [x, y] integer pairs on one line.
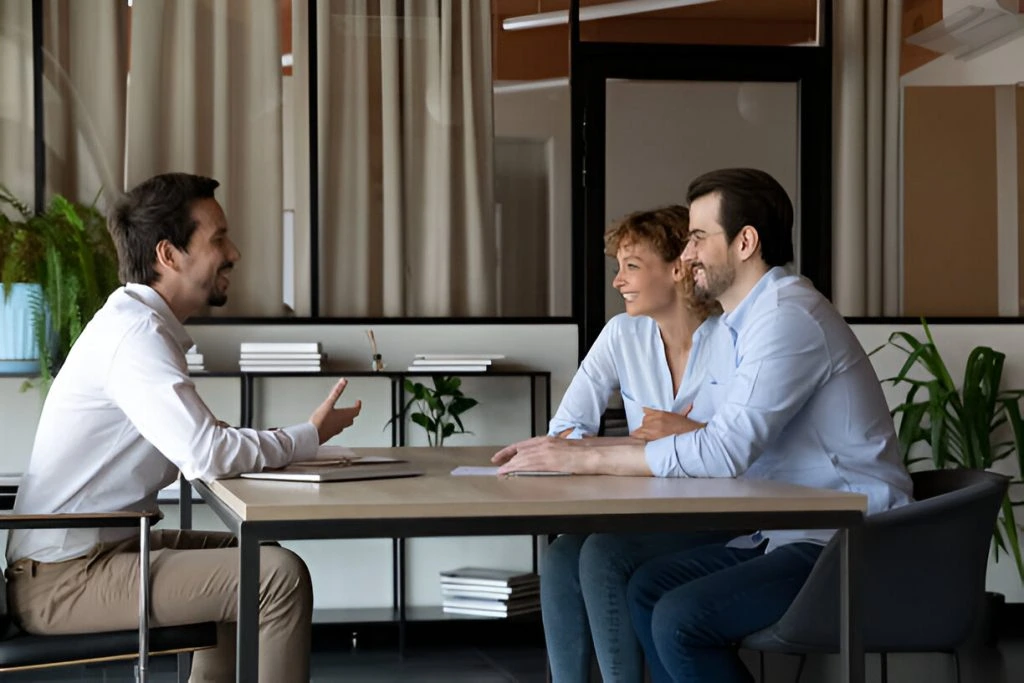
{"points": [[497, 614], [448, 368], [484, 576], [459, 356], [278, 368], [480, 593], [262, 356], [494, 605], [279, 361], [280, 347], [428, 362]]}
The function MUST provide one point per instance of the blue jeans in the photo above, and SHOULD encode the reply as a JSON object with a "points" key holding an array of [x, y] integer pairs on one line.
{"points": [[691, 608], [583, 600]]}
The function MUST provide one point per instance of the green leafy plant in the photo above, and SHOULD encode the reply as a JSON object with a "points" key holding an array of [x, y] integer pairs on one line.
{"points": [[67, 250], [972, 426], [439, 408]]}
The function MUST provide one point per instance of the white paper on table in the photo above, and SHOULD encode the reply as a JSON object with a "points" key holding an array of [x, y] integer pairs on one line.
{"points": [[468, 471]]}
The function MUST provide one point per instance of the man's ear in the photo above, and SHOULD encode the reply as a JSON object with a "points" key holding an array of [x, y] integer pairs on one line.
{"points": [[748, 242], [167, 256]]}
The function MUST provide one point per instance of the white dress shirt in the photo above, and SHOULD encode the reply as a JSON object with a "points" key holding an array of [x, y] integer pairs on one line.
{"points": [[120, 419], [629, 356], [793, 398]]}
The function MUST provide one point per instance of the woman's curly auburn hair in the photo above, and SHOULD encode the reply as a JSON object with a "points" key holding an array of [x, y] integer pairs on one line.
{"points": [[665, 230]]}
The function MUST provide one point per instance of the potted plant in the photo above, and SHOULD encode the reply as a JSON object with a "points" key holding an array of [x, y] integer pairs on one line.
{"points": [[440, 408], [972, 426], [66, 258]]}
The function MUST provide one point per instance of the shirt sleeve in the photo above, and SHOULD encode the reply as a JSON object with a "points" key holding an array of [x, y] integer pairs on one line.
{"points": [[149, 382], [782, 359], [588, 393]]}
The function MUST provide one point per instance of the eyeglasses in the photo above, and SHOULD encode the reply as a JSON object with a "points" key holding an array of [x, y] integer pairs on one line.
{"points": [[698, 236]]}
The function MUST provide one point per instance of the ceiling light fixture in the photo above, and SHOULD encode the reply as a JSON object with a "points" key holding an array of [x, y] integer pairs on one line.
{"points": [[592, 12]]}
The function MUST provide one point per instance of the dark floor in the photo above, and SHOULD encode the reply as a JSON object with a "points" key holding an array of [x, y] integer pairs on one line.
{"points": [[526, 664]]}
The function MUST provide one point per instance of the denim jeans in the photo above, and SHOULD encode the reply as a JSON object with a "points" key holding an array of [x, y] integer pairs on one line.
{"points": [[691, 608], [583, 600]]}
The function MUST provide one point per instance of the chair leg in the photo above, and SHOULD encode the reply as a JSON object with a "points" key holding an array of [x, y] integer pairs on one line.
{"points": [[956, 662], [800, 668], [884, 658], [760, 666], [184, 666]]}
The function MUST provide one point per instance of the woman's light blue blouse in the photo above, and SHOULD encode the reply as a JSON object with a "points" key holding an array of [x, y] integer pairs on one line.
{"points": [[629, 356]]}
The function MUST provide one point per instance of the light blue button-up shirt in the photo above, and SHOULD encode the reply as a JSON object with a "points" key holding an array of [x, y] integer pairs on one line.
{"points": [[793, 398], [629, 356]]}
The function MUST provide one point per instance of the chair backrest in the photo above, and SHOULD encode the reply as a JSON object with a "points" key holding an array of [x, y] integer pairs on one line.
{"points": [[923, 570]]}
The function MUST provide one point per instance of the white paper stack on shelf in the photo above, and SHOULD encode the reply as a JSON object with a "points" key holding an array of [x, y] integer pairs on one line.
{"points": [[280, 357], [194, 360], [453, 362], [483, 592]]}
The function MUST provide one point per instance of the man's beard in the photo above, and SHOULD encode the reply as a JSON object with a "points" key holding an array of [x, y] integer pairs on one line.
{"points": [[217, 299], [718, 281]]}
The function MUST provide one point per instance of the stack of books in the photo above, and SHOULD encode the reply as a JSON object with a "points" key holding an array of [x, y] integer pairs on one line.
{"points": [[483, 592], [453, 362], [280, 357], [194, 360]]}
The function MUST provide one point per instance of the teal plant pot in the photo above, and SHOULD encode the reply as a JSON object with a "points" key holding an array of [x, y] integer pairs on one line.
{"points": [[19, 353]]}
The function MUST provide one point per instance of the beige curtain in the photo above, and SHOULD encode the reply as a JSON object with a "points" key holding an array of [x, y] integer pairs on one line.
{"points": [[406, 152], [866, 190], [84, 68], [205, 97], [17, 169]]}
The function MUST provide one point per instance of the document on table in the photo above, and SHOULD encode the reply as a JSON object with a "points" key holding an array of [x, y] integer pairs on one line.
{"points": [[470, 471]]}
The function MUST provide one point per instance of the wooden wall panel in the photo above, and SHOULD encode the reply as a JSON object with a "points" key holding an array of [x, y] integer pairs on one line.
{"points": [[1020, 193], [949, 202]]}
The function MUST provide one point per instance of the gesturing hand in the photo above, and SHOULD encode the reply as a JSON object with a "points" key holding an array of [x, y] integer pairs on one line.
{"points": [[329, 420], [661, 423]]}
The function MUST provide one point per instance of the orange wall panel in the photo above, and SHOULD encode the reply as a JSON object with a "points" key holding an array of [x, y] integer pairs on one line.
{"points": [[949, 202]]}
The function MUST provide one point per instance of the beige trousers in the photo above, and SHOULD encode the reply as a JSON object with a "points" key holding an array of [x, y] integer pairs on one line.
{"points": [[194, 577]]}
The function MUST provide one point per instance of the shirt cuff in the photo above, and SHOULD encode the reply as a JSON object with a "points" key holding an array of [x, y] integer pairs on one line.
{"points": [[305, 439], [576, 433], [660, 456]]}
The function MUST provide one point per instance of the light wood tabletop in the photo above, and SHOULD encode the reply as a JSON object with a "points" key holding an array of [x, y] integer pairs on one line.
{"points": [[438, 494]]}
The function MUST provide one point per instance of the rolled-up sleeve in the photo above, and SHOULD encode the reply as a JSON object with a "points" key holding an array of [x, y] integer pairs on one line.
{"points": [[781, 360], [587, 396]]}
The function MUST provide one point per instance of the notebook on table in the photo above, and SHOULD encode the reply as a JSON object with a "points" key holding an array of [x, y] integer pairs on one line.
{"points": [[337, 473]]}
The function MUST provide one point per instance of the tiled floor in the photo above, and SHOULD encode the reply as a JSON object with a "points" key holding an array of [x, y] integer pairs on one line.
{"points": [[496, 664]]}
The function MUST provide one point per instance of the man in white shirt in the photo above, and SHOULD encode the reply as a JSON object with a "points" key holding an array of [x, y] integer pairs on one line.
{"points": [[122, 418]]}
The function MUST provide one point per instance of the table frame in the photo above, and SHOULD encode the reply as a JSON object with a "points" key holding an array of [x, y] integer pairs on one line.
{"points": [[251, 533]]}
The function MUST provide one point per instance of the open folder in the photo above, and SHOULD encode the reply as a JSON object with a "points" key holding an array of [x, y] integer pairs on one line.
{"points": [[337, 472]]}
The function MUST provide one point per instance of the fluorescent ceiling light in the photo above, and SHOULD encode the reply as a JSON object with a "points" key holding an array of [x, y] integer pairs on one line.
{"points": [[592, 12]]}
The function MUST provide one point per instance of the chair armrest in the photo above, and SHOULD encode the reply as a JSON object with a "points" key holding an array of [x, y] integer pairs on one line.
{"points": [[77, 520]]}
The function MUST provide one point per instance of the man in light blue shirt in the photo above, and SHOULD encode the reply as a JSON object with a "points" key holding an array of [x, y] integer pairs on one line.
{"points": [[794, 398]]}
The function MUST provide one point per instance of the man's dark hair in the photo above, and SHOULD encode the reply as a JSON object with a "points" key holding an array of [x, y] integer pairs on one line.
{"points": [[154, 210], [751, 197]]}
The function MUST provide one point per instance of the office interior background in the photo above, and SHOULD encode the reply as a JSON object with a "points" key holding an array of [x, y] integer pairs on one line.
{"points": [[437, 196]]}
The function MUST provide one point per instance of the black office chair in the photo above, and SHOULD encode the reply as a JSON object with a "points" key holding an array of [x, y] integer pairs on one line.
{"points": [[23, 651], [923, 575]]}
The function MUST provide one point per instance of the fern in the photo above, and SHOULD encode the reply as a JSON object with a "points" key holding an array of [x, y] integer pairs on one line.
{"points": [[67, 251]]}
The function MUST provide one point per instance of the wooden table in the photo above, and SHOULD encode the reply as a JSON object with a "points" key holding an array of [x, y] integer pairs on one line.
{"points": [[438, 504]]}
